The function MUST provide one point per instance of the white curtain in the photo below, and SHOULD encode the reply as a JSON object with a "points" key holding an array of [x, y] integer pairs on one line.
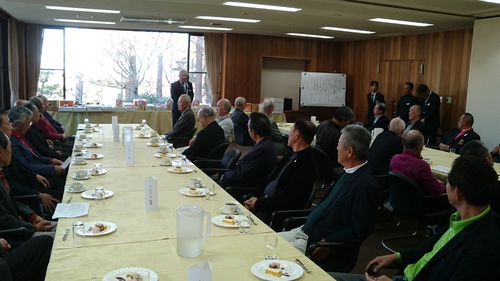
{"points": [[13, 60], [213, 57], [34, 44]]}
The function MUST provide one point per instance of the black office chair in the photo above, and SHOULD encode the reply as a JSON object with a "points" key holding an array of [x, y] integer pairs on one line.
{"points": [[215, 154], [287, 149], [241, 137], [15, 236], [182, 141], [344, 256], [407, 199], [324, 168], [227, 163]]}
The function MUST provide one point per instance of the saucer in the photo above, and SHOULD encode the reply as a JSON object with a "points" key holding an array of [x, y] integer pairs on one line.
{"points": [[161, 164], [71, 190], [82, 163], [100, 173], [201, 185], [84, 178], [225, 211]]}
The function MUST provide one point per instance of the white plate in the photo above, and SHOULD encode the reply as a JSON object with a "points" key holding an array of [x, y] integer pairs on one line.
{"points": [[160, 155], [103, 171], [184, 170], [88, 233], [83, 163], [155, 144], [224, 211], [91, 146], [161, 164], [201, 192], [170, 155], [218, 221], [293, 270], [137, 128], [84, 178], [98, 156], [90, 194], [122, 272], [71, 190], [145, 136], [201, 186]]}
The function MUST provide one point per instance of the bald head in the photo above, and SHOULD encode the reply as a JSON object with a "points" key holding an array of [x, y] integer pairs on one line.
{"points": [[413, 140]]}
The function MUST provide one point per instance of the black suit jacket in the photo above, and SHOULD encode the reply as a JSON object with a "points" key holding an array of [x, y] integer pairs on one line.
{"points": [[54, 122], [404, 104], [382, 122], [351, 217], [184, 125], [420, 127], [449, 138], [34, 162], [206, 140], [386, 145], [241, 118], [371, 103], [430, 111], [176, 90], [11, 210], [39, 143], [472, 254]]}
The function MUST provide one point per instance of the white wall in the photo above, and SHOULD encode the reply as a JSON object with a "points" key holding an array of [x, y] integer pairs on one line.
{"points": [[281, 79], [483, 97]]}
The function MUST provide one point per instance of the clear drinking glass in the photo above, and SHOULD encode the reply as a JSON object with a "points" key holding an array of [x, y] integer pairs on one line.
{"points": [[210, 192], [244, 221], [452, 152], [100, 195], [270, 245]]}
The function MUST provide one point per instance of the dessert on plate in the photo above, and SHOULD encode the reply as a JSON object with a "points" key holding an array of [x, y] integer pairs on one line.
{"points": [[229, 220], [274, 269]]}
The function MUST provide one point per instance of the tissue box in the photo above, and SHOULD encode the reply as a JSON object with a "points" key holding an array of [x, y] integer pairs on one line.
{"points": [[119, 109], [107, 108], [94, 108], [79, 109], [150, 107], [131, 109], [53, 104], [66, 102], [65, 108]]}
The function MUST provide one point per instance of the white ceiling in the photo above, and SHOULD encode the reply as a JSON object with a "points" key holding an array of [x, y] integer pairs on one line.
{"points": [[444, 14]]}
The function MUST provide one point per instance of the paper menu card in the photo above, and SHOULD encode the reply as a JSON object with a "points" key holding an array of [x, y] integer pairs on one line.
{"points": [[72, 210], [200, 272], [151, 194], [441, 169]]}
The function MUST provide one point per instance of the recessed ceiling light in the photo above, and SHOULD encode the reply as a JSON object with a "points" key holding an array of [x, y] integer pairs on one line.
{"points": [[402, 22], [167, 21], [310, 35], [205, 27], [227, 19], [491, 1], [86, 21], [82, 10], [348, 30], [261, 6]]}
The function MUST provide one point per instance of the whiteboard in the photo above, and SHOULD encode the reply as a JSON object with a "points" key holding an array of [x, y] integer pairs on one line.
{"points": [[322, 89]]}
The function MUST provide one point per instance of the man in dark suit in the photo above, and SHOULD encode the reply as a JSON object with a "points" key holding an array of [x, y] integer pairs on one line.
{"points": [[348, 212], [254, 168], [240, 118], [184, 126], [468, 247], [405, 102], [386, 145], [179, 87], [58, 126], [430, 103], [291, 183], [208, 138], [415, 123], [373, 97], [378, 120], [457, 137]]}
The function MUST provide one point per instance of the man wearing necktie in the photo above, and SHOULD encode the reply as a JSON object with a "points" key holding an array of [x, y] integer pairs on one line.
{"points": [[373, 97], [182, 86]]}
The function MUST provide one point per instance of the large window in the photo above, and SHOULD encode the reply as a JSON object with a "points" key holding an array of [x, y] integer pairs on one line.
{"points": [[101, 66]]}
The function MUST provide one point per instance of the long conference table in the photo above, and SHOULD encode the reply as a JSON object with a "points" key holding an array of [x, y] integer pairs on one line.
{"points": [[148, 239]]}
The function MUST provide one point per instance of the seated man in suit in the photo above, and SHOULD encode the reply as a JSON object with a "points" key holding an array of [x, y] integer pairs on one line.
{"points": [[495, 154], [268, 108], [44, 126], [348, 212], [291, 183], [208, 138], [185, 124], [327, 137], [28, 261], [241, 118], [223, 118], [385, 146], [378, 120], [467, 248], [58, 126], [12, 213], [456, 138], [50, 168], [415, 123], [253, 169], [410, 164]]}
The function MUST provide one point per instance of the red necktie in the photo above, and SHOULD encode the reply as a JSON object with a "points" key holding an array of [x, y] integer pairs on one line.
{"points": [[2, 177]]}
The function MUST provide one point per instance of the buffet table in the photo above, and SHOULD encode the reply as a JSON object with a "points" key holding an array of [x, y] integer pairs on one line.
{"points": [[148, 239]]}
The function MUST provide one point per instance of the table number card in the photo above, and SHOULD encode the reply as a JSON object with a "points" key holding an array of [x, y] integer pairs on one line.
{"points": [[129, 152], [151, 194], [127, 132], [114, 120], [116, 133], [200, 272]]}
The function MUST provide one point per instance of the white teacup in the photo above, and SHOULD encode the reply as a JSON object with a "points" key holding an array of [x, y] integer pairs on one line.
{"points": [[81, 173], [163, 149], [230, 206], [88, 129], [82, 136], [79, 160], [76, 185], [88, 125], [154, 140], [78, 147], [166, 161], [195, 182]]}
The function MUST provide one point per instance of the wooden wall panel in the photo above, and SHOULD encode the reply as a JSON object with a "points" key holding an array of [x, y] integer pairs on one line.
{"points": [[446, 57]]}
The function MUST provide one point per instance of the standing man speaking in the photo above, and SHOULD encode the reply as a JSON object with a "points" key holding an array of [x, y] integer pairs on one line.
{"points": [[182, 86]]}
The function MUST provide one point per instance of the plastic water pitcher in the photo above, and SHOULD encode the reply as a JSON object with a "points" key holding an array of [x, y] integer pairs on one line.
{"points": [[190, 236]]}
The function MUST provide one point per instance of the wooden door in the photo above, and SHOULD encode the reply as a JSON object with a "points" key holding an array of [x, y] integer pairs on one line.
{"points": [[392, 77]]}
